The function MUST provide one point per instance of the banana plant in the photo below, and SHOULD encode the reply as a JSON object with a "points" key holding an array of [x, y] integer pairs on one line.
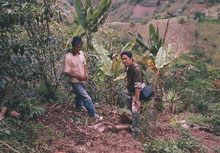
{"points": [[158, 59], [89, 18], [110, 69], [157, 55], [163, 58]]}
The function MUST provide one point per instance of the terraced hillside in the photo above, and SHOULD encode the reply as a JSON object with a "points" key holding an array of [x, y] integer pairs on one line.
{"points": [[135, 16]]}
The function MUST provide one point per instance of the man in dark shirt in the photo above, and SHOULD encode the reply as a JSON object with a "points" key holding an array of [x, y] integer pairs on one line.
{"points": [[134, 84]]}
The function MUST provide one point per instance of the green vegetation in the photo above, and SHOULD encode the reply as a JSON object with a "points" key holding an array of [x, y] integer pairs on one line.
{"points": [[180, 145], [89, 18], [34, 36]]}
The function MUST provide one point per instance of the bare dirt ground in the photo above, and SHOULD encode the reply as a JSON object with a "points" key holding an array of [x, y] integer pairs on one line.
{"points": [[141, 11], [180, 36], [66, 130]]}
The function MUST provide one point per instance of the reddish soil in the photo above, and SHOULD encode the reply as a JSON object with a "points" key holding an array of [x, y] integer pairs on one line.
{"points": [[66, 130], [180, 36], [83, 134], [141, 11]]}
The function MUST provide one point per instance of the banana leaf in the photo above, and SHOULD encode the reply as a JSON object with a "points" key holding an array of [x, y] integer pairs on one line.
{"points": [[104, 59], [129, 45], [79, 10], [120, 77], [162, 58]]}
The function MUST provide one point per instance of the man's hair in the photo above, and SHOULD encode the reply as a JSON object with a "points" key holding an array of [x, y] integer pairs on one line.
{"points": [[77, 40], [128, 53]]}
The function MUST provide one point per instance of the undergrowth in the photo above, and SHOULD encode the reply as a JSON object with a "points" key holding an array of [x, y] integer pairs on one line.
{"points": [[183, 144]]}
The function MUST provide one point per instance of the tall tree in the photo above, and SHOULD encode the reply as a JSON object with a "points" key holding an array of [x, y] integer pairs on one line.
{"points": [[28, 50], [89, 18]]}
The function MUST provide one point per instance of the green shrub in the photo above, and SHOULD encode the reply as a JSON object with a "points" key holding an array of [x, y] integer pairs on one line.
{"points": [[199, 15], [183, 8], [217, 149], [194, 82], [181, 145], [18, 134], [196, 119], [181, 21]]}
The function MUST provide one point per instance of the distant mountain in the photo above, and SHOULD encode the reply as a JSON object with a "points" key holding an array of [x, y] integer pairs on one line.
{"points": [[136, 15], [141, 10]]}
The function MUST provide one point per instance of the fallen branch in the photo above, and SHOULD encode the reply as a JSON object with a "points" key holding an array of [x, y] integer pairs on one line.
{"points": [[5, 144], [105, 126], [66, 108]]}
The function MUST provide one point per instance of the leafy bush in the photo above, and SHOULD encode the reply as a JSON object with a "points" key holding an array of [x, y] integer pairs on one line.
{"points": [[192, 78], [196, 119], [180, 145], [199, 15], [217, 150], [183, 8], [29, 50], [181, 21], [18, 135]]}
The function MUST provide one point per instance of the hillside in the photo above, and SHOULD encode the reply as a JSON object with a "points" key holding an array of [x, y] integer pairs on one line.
{"points": [[38, 106], [182, 27], [139, 11], [135, 16], [67, 130], [142, 10], [180, 36]]}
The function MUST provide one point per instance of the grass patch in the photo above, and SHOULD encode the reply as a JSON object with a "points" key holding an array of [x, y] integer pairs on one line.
{"points": [[197, 119], [209, 21], [184, 143]]}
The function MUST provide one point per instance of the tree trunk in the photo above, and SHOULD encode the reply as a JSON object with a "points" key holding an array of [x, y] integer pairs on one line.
{"points": [[106, 93], [115, 96], [156, 77], [161, 84], [111, 91], [87, 43]]}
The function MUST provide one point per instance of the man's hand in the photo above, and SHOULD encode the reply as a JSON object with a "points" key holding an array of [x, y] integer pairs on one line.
{"points": [[86, 77], [83, 78], [136, 107]]}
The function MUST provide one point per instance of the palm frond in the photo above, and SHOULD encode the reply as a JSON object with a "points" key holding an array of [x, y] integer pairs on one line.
{"points": [[78, 5]]}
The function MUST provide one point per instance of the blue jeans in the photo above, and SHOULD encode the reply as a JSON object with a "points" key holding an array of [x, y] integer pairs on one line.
{"points": [[82, 97]]}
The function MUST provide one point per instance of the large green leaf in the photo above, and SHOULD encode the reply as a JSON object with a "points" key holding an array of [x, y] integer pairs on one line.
{"points": [[162, 58], [104, 59], [78, 31], [117, 66], [88, 3], [88, 15], [99, 14], [129, 45], [140, 40], [120, 77], [78, 5]]}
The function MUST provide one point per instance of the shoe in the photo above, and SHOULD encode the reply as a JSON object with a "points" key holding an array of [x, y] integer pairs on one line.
{"points": [[97, 117]]}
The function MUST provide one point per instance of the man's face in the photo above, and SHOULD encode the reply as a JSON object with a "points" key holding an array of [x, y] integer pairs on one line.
{"points": [[77, 47], [126, 60]]}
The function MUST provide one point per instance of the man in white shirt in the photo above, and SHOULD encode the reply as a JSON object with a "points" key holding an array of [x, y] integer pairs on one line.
{"points": [[75, 69]]}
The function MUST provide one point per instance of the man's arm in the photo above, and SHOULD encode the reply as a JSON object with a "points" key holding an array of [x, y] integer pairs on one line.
{"points": [[137, 86], [85, 70], [136, 102], [137, 94], [71, 74], [86, 73]]}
